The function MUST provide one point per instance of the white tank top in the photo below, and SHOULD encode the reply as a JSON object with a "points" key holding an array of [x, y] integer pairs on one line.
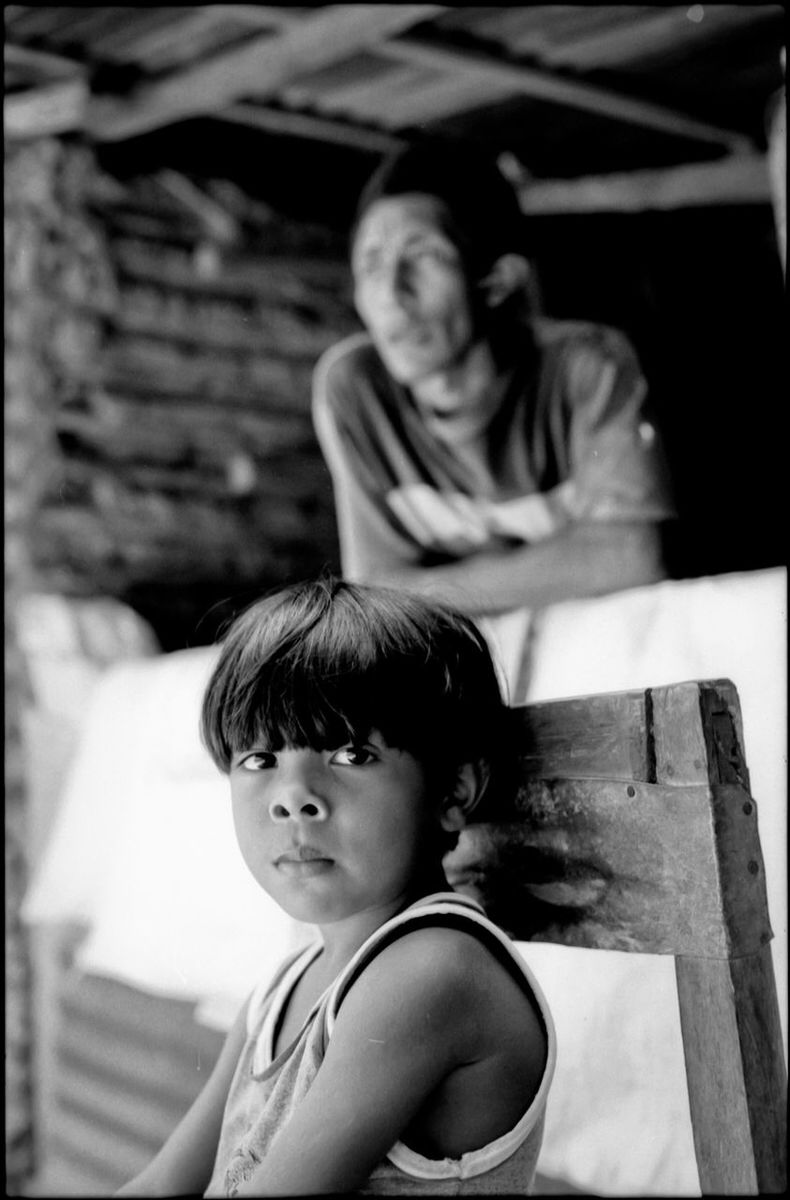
{"points": [[265, 1089]]}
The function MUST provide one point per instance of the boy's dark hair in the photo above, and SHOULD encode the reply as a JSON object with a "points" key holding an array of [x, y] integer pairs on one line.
{"points": [[323, 663]]}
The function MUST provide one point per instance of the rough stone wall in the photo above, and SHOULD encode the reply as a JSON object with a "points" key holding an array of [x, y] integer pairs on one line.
{"points": [[189, 474], [54, 257]]}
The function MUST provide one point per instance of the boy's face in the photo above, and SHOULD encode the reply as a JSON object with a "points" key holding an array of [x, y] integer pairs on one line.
{"points": [[335, 833], [410, 288]]}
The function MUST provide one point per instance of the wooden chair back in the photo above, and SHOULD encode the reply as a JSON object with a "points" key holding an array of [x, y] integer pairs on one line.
{"points": [[633, 828]]}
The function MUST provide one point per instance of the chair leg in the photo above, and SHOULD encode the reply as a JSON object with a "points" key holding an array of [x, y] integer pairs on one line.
{"points": [[736, 1072]]}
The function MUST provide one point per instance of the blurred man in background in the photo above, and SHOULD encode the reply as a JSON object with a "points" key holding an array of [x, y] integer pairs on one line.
{"points": [[479, 452]]}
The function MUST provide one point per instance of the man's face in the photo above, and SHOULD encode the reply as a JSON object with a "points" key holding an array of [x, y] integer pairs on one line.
{"points": [[410, 288]]}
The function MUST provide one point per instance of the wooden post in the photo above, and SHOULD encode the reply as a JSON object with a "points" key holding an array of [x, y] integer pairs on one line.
{"points": [[728, 1008], [735, 1070]]}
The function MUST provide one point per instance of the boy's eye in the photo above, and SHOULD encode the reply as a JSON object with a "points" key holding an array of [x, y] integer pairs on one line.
{"points": [[352, 756], [260, 760]]}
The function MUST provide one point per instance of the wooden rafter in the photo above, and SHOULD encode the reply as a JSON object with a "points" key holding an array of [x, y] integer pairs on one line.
{"points": [[656, 32], [43, 63], [544, 85], [739, 179], [257, 68], [259, 15], [148, 46], [429, 97], [43, 111], [295, 124], [361, 94]]}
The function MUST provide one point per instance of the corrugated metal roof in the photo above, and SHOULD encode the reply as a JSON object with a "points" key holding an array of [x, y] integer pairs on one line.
{"points": [[565, 88]]}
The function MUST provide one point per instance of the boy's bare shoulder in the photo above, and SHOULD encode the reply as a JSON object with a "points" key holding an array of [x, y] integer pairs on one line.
{"points": [[443, 971], [455, 953], [456, 956]]}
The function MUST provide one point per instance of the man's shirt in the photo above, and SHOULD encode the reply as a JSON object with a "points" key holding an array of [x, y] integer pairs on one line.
{"points": [[565, 436]]}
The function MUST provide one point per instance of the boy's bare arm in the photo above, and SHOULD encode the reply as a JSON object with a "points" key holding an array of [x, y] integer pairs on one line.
{"points": [[390, 1047], [183, 1165], [405, 1024]]}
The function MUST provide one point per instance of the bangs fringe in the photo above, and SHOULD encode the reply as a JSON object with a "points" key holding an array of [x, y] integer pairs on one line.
{"points": [[323, 664], [295, 706], [298, 704]]}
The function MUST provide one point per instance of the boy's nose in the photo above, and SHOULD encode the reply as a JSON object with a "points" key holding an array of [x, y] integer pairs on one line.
{"points": [[298, 804]]}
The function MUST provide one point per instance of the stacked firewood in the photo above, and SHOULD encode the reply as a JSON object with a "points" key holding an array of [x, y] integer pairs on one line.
{"points": [[59, 288], [188, 472]]}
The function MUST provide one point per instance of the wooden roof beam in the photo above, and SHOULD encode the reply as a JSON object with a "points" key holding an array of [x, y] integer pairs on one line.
{"points": [[738, 179], [43, 63], [147, 47], [426, 103], [265, 15], [556, 89], [653, 34], [256, 68], [53, 108], [296, 124]]}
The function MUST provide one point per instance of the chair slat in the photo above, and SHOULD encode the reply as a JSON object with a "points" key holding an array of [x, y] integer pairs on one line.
{"points": [[622, 866], [595, 737]]}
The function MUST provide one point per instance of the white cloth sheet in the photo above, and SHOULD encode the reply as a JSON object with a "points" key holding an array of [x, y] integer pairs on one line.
{"points": [[143, 851]]}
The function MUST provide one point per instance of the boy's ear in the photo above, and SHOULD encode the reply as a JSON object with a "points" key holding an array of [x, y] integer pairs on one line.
{"points": [[509, 274], [470, 783]]}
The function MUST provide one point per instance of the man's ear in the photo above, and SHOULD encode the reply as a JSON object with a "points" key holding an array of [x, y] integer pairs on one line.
{"points": [[470, 783], [509, 274]]}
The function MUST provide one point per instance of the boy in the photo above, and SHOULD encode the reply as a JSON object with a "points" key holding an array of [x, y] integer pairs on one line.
{"points": [[409, 1050]]}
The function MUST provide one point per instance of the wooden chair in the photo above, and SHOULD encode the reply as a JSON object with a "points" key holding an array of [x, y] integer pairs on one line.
{"points": [[634, 829]]}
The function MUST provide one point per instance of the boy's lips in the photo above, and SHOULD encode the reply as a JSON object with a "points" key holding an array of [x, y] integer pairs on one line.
{"points": [[303, 862], [301, 854]]}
